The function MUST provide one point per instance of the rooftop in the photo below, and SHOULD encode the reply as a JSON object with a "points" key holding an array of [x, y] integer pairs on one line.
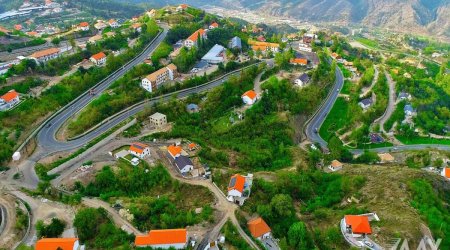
{"points": [[157, 116], [56, 243], [215, 53], [258, 227], [162, 237], [358, 223], [237, 182]]}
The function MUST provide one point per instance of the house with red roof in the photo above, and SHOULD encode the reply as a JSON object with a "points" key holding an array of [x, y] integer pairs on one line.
{"points": [[137, 27], [58, 244], [174, 151], [9, 100], [213, 25], [335, 165], [299, 61], [192, 40], [249, 97], [113, 23], [357, 225], [239, 188], [259, 228], [446, 173], [83, 26], [98, 59], [182, 7], [163, 239], [18, 27], [140, 150]]}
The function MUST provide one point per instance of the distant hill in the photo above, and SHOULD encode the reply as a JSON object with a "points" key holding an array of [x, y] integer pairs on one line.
{"points": [[419, 16]]}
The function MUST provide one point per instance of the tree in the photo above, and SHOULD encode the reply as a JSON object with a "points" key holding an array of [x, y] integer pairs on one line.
{"points": [[53, 230], [299, 237], [282, 205], [56, 41], [87, 222]]}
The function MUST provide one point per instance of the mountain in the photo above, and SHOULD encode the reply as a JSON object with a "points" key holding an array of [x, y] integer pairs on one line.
{"points": [[419, 16]]}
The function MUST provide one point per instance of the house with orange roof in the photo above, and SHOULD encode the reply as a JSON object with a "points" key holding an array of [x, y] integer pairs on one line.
{"points": [[94, 39], [213, 25], [18, 27], [4, 30], [335, 165], [259, 228], [157, 78], [58, 244], [336, 56], [182, 7], [137, 27], [357, 225], [264, 46], [249, 97], [140, 150], [9, 100], [113, 23], [192, 146], [239, 188], [192, 40], [446, 173], [33, 34], [174, 151], [98, 59], [45, 55], [299, 61], [83, 26], [163, 239]]}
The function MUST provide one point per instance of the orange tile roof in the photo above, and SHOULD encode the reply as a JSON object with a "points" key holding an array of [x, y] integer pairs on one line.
{"points": [[237, 182], [447, 172], [215, 25], [9, 96], [153, 76], [195, 35], [45, 52], [192, 145], [336, 163], [259, 47], [18, 27], [138, 147], [335, 55], [258, 227], [84, 24], [250, 94], [98, 56], [4, 30], [302, 61], [172, 67], [32, 33], [184, 6], [111, 21], [162, 237], [358, 223], [136, 25], [56, 243], [174, 150]]}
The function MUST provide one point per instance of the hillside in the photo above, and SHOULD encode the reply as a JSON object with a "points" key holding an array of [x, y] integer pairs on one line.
{"points": [[419, 16]]}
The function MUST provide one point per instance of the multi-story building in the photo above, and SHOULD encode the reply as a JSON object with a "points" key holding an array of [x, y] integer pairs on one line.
{"points": [[45, 55], [155, 79]]}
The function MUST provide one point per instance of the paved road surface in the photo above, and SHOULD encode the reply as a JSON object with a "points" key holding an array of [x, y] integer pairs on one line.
{"points": [[47, 135], [318, 118], [391, 105]]}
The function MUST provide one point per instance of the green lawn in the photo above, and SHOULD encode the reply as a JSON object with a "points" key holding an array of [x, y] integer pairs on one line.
{"points": [[336, 119], [368, 42], [421, 140], [348, 87]]}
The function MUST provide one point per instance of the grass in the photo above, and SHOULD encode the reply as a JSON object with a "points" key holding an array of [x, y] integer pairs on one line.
{"points": [[367, 42], [348, 87], [336, 119], [421, 140]]}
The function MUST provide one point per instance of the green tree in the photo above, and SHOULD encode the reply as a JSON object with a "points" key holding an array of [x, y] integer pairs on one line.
{"points": [[56, 41], [282, 205], [53, 230], [299, 237]]}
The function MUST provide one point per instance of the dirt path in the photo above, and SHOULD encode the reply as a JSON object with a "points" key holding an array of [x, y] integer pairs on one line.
{"points": [[391, 105], [8, 236], [257, 83]]}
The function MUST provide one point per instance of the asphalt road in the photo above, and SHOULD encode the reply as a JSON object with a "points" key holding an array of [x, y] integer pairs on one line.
{"points": [[318, 118], [47, 135], [50, 144]]}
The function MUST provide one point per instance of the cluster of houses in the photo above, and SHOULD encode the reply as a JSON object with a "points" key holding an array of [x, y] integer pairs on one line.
{"points": [[264, 47]]}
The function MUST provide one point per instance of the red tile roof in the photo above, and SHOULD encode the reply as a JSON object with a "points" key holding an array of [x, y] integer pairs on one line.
{"points": [[447, 172], [84, 24], [258, 227], [162, 237], [358, 223], [138, 147], [45, 52], [192, 145], [215, 25], [237, 182], [55, 243], [184, 6], [250, 94], [98, 56], [302, 61], [195, 35], [9, 96], [174, 150]]}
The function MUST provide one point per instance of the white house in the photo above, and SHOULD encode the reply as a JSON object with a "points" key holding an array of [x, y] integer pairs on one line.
{"points": [[137, 27], [249, 97], [304, 47], [98, 59], [259, 228], [184, 164], [9, 100], [335, 165], [193, 39], [302, 80], [366, 103], [155, 79], [113, 23], [84, 26], [182, 7], [45, 55], [239, 188], [139, 150], [213, 26], [163, 239], [100, 25]]}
